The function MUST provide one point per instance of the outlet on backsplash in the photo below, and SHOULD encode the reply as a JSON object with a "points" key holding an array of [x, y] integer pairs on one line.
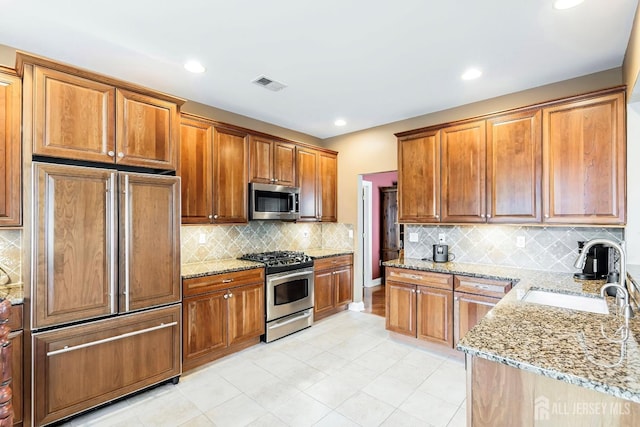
{"points": [[442, 238]]}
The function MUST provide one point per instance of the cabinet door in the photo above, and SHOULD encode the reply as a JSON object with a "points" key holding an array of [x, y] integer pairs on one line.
{"points": [[149, 240], [307, 178], [401, 308], [584, 161], [328, 168], [73, 118], [10, 150], [419, 178], [435, 315], [323, 289], [463, 173], [261, 160], [147, 131], [514, 168], [195, 171], [75, 238], [343, 282], [17, 376], [83, 366], [230, 162], [246, 312], [284, 160], [204, 325], [468, 311]]}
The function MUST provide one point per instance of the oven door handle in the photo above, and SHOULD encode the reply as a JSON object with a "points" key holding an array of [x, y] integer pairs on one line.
{"points": [[289, 276], [294, 319]]}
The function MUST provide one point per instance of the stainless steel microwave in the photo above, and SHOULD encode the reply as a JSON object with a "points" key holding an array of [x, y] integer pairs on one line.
{"points": [[270, 201]]}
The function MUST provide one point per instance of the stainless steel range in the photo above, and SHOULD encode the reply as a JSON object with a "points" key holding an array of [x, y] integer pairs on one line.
{"points": [[288, 291]]}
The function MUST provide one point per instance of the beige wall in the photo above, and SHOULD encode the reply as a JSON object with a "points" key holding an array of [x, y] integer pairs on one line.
{"points": [[374, 150], [631, 64]]}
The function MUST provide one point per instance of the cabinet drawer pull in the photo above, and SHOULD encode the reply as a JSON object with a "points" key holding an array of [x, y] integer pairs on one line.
{"points": [[486, 287], [106, 340], [227, 281], [418, 291], [413, 291], [225, 296], [121, 154], [110, 153], [230, 295]]}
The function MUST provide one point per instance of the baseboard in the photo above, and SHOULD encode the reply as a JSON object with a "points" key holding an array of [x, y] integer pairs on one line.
{"points": [[374, 282], [356, 306]]}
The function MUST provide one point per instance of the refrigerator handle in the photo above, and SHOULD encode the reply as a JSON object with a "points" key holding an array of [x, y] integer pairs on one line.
{"points": [[127, 237], [111, 199]]}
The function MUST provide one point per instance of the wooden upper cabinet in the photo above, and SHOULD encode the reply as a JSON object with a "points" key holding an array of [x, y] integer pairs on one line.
{"points": [[75, 114], [10, 150], [196, 170], [327, 196], [230, 175], [284, 163], [463, 172], [73, 117], [514, 167], [307, 179], [419, 178], [147, 131], [272, 161], [75, 237], [584, 161], [149, 235]]}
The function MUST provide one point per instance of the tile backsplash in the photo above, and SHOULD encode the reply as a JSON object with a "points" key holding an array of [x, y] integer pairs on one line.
{"points": [[11, 253], [210, 242], [546, 248]]}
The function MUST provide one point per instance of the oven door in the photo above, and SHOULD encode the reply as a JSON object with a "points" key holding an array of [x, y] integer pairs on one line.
{"points": [[289, 292]]}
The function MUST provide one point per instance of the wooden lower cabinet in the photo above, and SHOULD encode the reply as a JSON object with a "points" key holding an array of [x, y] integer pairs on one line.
{"points": [[80, 367], [401, 308], [468, 310], [225, 314], [332, 285], [17, 376], [434, 315], [420, 305], [473, 298]]}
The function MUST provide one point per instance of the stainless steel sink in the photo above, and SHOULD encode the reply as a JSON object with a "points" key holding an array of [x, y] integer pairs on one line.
{"points": [[574, 302]]}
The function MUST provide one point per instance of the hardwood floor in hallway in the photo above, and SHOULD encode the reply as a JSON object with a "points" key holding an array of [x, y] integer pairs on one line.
{"points": [[374, 301]]}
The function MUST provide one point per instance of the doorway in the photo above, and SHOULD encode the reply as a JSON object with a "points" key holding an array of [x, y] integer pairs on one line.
{"points": [[371, 220]]}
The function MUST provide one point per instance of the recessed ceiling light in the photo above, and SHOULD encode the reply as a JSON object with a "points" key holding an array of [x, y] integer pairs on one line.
{"points": [[566, 4], [194, 67], [471, 73], [340, 122]]}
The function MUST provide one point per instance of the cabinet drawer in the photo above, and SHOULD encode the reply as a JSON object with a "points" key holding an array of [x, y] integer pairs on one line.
{"points": [[423, 278], [15, 317], [199, 285], [331, 262], [488, 287], [80, 367]]}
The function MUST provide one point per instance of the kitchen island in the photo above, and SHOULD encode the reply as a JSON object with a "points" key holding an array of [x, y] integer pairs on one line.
{"points": [[536, 365]]}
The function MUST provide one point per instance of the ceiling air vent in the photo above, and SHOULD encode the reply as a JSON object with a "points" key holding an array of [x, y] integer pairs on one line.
{"points": [[268, 83]]}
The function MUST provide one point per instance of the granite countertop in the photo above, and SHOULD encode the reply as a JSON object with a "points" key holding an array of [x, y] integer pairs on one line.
{"points": [[564, 344], [326, 253], [220, 266], [13, 292]]}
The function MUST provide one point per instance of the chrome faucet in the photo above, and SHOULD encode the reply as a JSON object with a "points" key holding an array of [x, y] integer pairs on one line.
{"points": [[622, 281]]}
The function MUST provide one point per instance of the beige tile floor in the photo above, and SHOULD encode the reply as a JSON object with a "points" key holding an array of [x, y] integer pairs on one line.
{"points": [[343, 371]]}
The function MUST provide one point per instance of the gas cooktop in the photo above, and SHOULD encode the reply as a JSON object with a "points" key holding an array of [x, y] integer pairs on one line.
{"points": [[279, 261]]}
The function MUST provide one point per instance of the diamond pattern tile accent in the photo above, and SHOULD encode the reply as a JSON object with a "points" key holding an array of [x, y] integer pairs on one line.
{"points": [[547, 248], [11, 253], [221, 242]]}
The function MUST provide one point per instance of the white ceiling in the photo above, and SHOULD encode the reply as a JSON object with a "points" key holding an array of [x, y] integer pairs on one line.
{"points": [[370, 62]]}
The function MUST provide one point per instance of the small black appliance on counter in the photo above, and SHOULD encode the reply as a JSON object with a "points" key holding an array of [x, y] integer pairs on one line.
{"points": [[597, 263]]}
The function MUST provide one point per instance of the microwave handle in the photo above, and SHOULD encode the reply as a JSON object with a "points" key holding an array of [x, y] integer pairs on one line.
{"points": [[292, 202]]}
